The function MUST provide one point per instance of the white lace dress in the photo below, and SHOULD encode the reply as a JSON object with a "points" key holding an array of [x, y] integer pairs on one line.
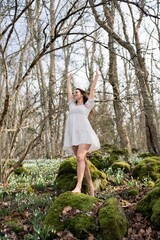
{"points": [[78, 128]]}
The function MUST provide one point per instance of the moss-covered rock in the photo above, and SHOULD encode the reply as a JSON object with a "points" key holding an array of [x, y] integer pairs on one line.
{"points": [[120, 151], [122, 165], [112, 220], [80, 215], [107, 156], [74, 212], [116, 154], [114, 149], [98, 159], [67, 177], [149, 167], [150, 206], [155, 217], [112, 159]]}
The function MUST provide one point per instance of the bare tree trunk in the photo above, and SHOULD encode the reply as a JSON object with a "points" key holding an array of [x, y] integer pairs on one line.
{"points": [[113, 80], [51, 88], [119, 115], [63, 97], [130, 102]]}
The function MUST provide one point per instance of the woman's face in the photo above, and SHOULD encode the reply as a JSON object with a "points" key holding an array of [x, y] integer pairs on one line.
{"points": [[77, 94]]}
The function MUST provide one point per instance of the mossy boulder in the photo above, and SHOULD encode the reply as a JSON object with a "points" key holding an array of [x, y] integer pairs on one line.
{"points": [[67, 177], [155, 217], [74, 212], [98, 159], [80, 215], [149, 206], [148, 167], [113, 223], [114, 149], [116, 154], [108, 154], [122, 165]]}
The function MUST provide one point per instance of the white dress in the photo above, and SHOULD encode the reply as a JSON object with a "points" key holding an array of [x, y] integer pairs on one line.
{"points": [[78, 128]]}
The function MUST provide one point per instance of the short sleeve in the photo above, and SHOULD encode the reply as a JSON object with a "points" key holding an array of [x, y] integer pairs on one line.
{"points": [[90, 103]]}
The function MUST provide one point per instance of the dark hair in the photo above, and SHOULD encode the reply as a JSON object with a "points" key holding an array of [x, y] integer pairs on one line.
{"points": [[85, 96]]}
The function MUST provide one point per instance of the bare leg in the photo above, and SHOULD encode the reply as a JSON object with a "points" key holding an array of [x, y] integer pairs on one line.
{"points": [[81, 162], [88, 178], [81, 165]]}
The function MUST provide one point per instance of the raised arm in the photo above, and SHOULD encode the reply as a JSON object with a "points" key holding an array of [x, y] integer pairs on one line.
{"points": [[69, 87], [94, 83]]}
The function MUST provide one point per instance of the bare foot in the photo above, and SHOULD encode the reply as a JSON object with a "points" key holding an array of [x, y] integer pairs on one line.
{"points": [[76, 190], [92, 192]]}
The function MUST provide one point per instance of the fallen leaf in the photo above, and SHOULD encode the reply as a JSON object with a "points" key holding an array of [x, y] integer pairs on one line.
{"points": [[66, 210]]}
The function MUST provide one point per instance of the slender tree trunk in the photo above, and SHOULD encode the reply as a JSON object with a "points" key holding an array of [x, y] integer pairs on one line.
{"points": [[51, 90], [113, 80], [119, 115]]}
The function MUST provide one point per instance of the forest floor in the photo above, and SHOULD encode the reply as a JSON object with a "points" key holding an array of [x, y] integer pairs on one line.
{"points": [[22, 210], [140, 228]]}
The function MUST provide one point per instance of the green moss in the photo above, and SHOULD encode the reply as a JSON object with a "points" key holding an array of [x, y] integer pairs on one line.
{"points": [[107, 148], [15, 225], [29, 189], [117, 155], [66, 182], [114, 149], [112, 220], [149, 206], [135, 150], [151, 184], [157, 183], [81, 225], [98, 160], [149, 167], [120, 151], [147, 154], [122, 165], [68, 166], [113, 158], [21, 170], [80, 214], [67, 177], [131, 192], [155, 217], [78, 219]]}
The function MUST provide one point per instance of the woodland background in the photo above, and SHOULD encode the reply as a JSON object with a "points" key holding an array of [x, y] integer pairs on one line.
{"points": [[42, 40]]}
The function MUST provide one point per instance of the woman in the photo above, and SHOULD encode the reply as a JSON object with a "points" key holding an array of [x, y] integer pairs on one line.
{"points": [[79, 137]]}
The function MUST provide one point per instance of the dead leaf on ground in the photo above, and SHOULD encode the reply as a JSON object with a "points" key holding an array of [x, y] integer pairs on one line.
{"points": [[66, 210]]}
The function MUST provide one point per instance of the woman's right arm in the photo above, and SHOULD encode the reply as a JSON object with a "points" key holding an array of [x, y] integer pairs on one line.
{"points": [[69, 87]]}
